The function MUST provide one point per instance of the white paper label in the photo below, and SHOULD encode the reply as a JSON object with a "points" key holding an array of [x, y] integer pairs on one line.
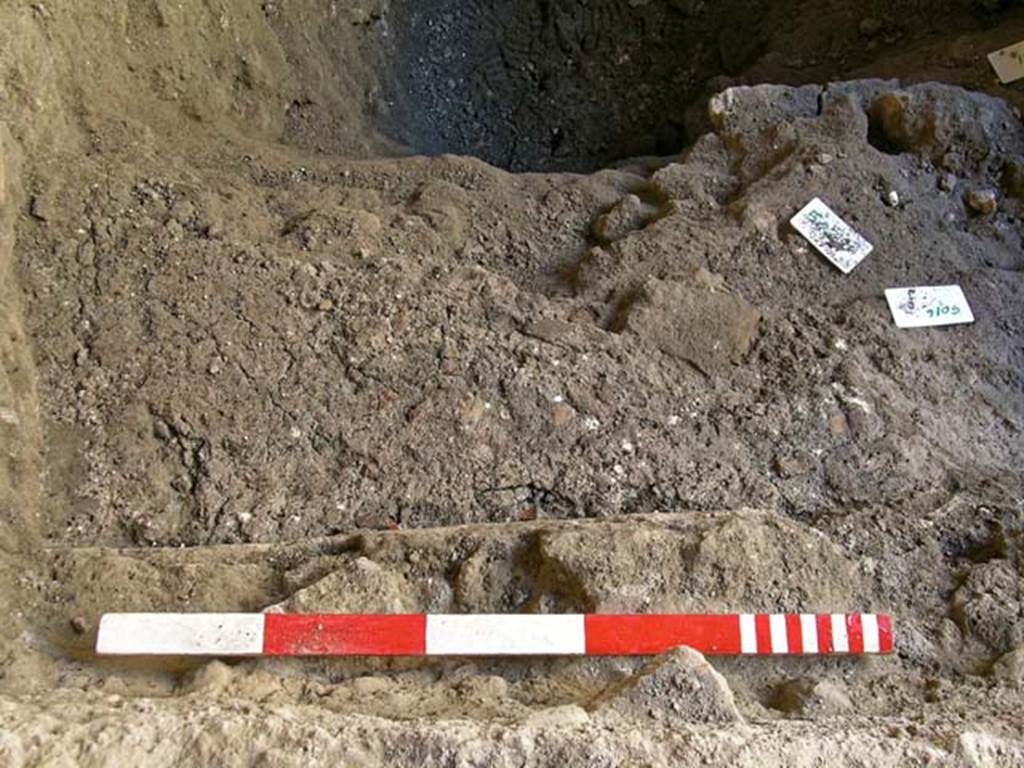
{"points": [[831, 236], [931, 305], [1009, 62]]}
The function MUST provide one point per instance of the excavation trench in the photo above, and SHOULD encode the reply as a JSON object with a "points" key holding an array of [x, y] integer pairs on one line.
{"points": [[256, 353]]}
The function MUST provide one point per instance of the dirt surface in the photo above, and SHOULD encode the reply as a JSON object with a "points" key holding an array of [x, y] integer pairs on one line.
{"points": [[255, 355]]}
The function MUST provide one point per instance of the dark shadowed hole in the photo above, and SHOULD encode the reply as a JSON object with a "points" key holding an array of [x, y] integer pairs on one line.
{"points": [[560, 85]]}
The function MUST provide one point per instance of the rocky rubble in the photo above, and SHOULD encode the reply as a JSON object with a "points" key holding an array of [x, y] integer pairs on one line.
{"points": [[676, 689], [253, 356], [463, 352]]}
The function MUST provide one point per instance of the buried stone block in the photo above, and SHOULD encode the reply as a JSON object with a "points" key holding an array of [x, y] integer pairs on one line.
{"points": [[358, 587], [808, 698], [961, 131], [696, 322], [676, 688], [1009, 668]]}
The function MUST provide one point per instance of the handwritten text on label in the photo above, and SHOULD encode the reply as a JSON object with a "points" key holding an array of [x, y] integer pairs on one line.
{"points": [[927, 306]]}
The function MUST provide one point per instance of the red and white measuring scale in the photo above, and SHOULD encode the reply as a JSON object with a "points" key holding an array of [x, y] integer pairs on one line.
{"points": [[282, 634]]}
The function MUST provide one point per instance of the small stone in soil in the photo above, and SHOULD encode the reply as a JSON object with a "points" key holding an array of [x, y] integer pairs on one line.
{"points": [[982, 201]]}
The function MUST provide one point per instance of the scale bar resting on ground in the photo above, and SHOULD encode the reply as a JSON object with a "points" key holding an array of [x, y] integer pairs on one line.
{"points": [[278, 634]]}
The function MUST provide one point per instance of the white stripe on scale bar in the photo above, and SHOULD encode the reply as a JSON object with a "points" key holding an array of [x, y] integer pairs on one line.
{"points": [[809, 632], [777, 628], [840, 639], [505, 635], [180, 634], [872, 640], [748, 633]]}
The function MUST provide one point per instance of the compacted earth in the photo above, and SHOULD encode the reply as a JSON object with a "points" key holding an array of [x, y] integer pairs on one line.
{"points": [[494, 306]]}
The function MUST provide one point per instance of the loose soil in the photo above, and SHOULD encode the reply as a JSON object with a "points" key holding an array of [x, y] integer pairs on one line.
{"points": [[493, 307]]}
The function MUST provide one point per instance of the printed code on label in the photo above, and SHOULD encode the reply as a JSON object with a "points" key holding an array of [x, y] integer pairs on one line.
{"points": [[831, 236]]}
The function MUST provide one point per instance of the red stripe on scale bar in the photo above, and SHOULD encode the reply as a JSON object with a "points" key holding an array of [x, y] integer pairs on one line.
{"points": [[280, 634], [344, 635], [642, 634]]}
